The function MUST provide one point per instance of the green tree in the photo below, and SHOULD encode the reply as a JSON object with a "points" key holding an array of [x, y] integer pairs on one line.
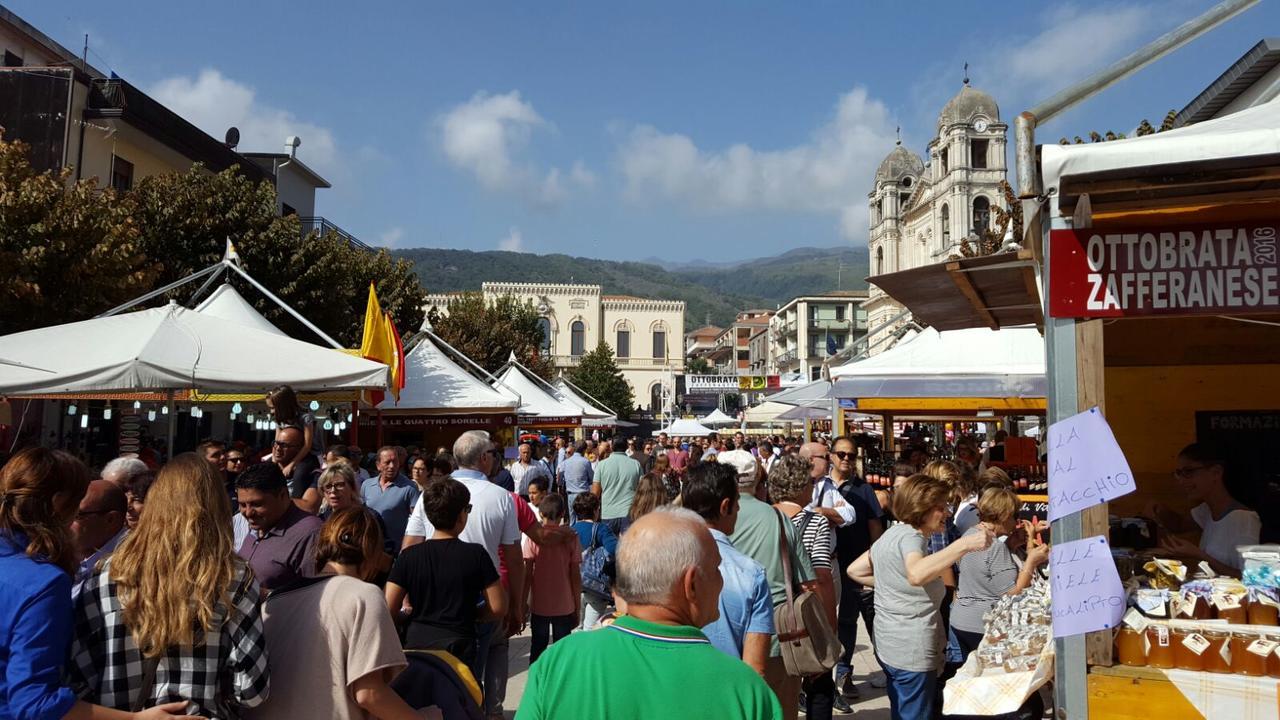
{"points": [[489, 331], [598, 375], [185, 220], [699, 366], [68, 251]]}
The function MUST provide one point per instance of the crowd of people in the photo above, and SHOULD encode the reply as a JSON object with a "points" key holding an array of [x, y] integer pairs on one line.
{"points": [[657, 577]]}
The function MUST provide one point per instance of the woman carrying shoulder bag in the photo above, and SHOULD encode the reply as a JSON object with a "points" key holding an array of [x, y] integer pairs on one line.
{"points": [[174, 613]]}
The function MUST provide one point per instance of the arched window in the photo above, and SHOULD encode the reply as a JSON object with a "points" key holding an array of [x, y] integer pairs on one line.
{"points": [[545, 326], [623, 347], [944, 216], [880, 260], [655, 398], [981, 215], [660, 343], [577, 338]]}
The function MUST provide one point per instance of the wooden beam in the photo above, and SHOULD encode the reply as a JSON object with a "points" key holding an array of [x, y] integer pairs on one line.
{"points": [[1033, 291], [1090, 389], [965, 285]]}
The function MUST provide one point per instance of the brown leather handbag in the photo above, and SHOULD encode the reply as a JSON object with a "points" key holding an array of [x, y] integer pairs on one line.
{"points": [[809, 645]]}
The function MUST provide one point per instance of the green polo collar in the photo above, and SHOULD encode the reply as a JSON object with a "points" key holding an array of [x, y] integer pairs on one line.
{"points": [[684, 634]]}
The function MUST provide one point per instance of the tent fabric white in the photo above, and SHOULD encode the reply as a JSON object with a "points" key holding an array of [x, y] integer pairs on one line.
{"points": [[814, 394], [228, 304], [800, 413], [434, 382], [685, 427], [173, 348], [534, 399], [1255, 131], [717, 417], [567, 395], [975, 362], [768, 411]]}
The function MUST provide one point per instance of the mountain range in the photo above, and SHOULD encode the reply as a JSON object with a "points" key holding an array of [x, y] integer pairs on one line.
{"points": [[713, 291]]}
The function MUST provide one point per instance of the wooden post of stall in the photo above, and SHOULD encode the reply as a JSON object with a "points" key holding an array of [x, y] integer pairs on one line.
{"points": [[887, 436], [1090, 388]]}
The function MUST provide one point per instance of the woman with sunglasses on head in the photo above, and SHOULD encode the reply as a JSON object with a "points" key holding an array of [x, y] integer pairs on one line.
{"points": [[1201, 475]]}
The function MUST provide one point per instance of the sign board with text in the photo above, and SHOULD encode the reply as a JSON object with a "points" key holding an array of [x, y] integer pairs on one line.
{"points": [[1086, 465], [1167, 270], [1087, 592]]}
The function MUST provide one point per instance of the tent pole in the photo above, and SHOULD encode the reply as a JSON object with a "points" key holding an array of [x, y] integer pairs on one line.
{"points": [[161, 291], [173, 419], [296, 315]]}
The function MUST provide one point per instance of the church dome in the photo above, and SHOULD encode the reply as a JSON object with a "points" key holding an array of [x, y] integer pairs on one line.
{"points": [[899, 163], [966, 104]]}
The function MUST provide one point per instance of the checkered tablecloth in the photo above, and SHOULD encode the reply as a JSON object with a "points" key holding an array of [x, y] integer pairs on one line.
{"points": [[994, 692], [1233, 697]]}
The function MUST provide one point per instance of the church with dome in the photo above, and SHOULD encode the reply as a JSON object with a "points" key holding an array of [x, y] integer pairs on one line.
{"points": [[921, 209]]}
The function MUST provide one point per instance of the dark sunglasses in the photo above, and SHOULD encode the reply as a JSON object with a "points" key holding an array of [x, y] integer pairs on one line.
{"points": [[843, 454]]}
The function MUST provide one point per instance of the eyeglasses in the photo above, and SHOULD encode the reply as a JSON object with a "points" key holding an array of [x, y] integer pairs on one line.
{"points": [[843, 454], [467, 509], [285, 445], [334, 487], [234, 460], [1185, 473]]}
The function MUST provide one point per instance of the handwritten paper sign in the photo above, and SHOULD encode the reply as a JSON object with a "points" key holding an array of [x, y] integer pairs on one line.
{"points": [[1087, 592], [1086, 466]]}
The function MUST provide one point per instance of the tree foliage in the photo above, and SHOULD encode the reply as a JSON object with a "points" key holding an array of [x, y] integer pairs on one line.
{"points": [[186, 219], [598, 375], [1144, 128], [67, 251], [489, 331], [699, 366]]}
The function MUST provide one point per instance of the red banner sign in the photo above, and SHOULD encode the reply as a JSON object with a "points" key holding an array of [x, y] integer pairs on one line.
{"points": [[1192, 270], [469, 422]]}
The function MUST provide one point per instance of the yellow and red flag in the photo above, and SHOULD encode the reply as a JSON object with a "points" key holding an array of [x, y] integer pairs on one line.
{"points": [[381, 342]]}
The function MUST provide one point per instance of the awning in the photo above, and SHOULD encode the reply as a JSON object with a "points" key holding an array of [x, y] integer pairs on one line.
{"points": [[435, 384], [992, 291], [685, 427]]}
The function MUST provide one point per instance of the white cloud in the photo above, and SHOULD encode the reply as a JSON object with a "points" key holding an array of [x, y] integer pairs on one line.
{"points": [[513, 242], [391, 237], [214, 102], [1073, 43], [829, 174], [488, 136]]}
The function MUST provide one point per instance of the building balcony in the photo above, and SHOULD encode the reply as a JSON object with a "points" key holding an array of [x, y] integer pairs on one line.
{"points": [[626, 363], [829, 324], [322, 226], [786, 358]]}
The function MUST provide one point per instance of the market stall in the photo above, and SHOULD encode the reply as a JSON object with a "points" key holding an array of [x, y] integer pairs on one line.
{"points": [[685, 427], [540, 408], [440, 400], [1162, 274], [717, 418], [594, 413]]}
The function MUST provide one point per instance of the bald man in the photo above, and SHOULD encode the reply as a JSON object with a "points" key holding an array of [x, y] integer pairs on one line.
{"points": [[827, 500], [669, 579], [98, 527]]}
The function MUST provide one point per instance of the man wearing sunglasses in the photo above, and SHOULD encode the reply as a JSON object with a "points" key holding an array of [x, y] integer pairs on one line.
{"points": [[306, 469]]}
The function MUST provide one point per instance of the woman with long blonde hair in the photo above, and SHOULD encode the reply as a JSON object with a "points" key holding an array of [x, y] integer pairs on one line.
{"points": [[175, 596], [40, 493]]}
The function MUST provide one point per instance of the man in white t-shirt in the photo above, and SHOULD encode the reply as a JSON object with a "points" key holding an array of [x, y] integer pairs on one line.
{"points": [[491, 524]]}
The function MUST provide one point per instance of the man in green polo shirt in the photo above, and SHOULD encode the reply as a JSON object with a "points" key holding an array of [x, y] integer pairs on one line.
{"points": [[653, 662], [615, 483]]}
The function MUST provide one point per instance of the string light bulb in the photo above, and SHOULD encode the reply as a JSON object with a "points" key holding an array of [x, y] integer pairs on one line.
{"points": [[71, 409], [137, 405], [151, 416], [84, 420], [235, 409], [106, 413]]}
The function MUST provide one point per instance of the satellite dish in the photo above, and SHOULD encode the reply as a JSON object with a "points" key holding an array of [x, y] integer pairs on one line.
{"points": [[232, 137]]}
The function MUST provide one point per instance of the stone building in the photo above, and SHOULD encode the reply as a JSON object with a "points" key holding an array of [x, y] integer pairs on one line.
{"points": [[921, 210]]}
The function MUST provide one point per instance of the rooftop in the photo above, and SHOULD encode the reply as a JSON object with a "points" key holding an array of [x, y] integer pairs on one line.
{"points": [[1230, 85]]}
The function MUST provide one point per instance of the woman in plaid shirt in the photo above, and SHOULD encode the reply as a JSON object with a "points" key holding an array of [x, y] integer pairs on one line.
{"points": [[174, 595]]}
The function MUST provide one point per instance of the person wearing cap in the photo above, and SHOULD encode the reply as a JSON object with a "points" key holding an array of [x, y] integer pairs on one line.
{"points": [[756, 535]]}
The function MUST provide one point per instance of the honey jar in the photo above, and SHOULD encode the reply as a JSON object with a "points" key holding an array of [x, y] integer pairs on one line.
{"points": [[1273, 660], [1185, 645], [1249, 662], [1261, 613], [1217, 657], [1160, 651], [1129, 650]]}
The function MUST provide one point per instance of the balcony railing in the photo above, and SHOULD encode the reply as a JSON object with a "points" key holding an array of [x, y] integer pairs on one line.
{"points": [[789, 327], [627, 363], [829, 323], [322, 226], [786, 357]]}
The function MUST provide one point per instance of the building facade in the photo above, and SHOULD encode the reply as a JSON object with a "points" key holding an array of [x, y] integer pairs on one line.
{"points": [[644, 334], [921, 211], [807, 330]]}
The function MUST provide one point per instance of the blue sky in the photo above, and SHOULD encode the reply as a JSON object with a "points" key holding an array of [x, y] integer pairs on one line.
{"points": [[713, 130]]}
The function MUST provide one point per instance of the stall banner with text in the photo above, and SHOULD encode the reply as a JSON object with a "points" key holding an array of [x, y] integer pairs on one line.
{"points": [[1087, 592], [1179, 270], [1086, 465]]}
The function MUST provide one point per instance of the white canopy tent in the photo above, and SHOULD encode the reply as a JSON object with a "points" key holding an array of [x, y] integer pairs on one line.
{"points": [[435, 383], [172, 348], [228, 304], [538, 404], [1255, 131], [717, 418], [769, 412], [592, 414], [975, 362], [815, 394], [685, 427]]}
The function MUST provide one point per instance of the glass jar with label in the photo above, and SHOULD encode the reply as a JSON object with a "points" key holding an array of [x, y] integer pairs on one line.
{"points": [[1234, 610], [1160, 652], [1249, 653], [1261, 613], [1217, 657], [1273, 660], [1188, 649], [1129, 650]]}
